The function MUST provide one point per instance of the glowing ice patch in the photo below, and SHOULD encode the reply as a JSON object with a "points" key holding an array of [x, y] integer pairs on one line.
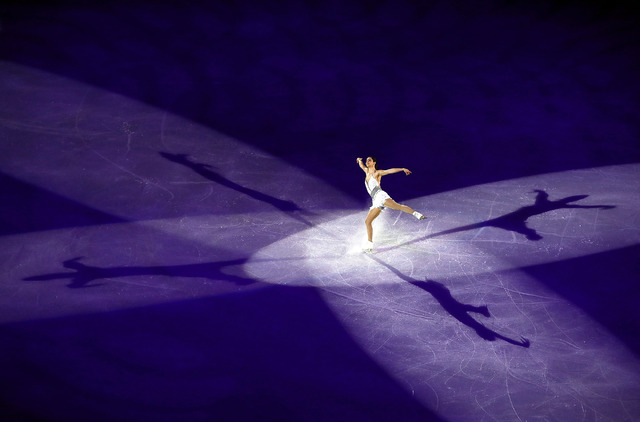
{"points": [[491, 227]]}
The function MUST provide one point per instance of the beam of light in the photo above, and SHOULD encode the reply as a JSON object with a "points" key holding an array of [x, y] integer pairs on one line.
{"points": [[130, 160], [198, 203], [493, 227]]}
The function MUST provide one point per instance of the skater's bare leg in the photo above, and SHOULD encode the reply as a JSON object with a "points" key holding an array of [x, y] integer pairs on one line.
{"points": [[395, 206], [373, 214]]}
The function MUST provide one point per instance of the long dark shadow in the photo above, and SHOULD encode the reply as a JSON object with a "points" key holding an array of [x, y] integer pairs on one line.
{"points": [[456, 309], [205, 170], [85, 274], [516, 221]]}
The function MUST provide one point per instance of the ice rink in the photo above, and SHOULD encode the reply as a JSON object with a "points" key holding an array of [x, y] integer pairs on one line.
{"points": [[182, 217]]}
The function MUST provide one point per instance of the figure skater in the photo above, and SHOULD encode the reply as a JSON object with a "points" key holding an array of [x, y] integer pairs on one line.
{"points": [[379, 197]]}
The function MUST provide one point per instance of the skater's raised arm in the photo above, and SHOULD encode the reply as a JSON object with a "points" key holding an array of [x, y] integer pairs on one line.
{"points": [[359, 161]]}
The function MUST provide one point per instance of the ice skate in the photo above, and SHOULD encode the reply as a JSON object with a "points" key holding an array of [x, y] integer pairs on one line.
{"points": [[419, 216]]}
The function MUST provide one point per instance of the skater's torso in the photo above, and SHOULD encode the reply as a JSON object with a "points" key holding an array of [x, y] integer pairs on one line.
{"points": [[372, 184]]}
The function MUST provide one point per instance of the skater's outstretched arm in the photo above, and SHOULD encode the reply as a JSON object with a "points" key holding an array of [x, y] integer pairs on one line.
{"points": [[395, 170]]}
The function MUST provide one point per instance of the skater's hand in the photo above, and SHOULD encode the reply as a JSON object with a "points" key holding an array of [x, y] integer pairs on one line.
{"points": [[358, 160], [406, 171]]}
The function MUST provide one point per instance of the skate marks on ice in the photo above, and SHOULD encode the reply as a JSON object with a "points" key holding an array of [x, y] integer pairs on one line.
{"points": [[441, 304], [435, 339]]}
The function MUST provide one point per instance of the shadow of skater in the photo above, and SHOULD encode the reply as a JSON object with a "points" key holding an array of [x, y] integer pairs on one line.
{"points": [[85, 274], [516, 221], [205, 170], [456, 309]]}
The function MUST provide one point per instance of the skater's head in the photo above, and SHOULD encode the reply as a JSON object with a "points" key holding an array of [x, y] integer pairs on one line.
{"points": [[371, 162]]}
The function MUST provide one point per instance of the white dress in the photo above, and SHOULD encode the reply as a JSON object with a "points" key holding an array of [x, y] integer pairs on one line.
{"points": [[378, 196]]}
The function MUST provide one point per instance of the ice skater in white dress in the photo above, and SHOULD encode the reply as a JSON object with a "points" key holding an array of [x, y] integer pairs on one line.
{"points": [[379, 197]]}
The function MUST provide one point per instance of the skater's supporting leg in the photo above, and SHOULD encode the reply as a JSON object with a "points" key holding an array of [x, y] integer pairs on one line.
{"points": [[373, 214]]}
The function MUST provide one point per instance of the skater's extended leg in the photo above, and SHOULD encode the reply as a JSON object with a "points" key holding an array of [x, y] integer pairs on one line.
{"points": [[395, 206]]}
